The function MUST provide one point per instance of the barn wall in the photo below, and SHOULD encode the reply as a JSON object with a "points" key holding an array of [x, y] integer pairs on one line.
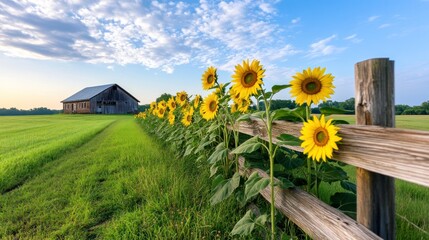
{"points": [[113, 101], [77, 107]]}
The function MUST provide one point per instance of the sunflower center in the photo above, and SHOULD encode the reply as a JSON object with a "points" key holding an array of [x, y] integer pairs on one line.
{"points": [[210, 79], [161, 111], [182, 98], [249, 79], [311, 85], [321, 137], [173, 104], [212, 106], [189, 118]]}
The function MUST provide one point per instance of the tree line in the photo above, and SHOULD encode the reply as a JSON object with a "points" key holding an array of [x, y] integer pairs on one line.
{"points": [[34, 111], [349, 105]]}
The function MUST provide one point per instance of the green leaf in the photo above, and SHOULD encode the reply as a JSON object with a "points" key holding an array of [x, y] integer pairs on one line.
{"points": [[259, 114], [224, 190], [213, 170], [267, 95], [336, 122], [247, 223], [286, 183], [244, 117], [349, 186], [278, 88], [330, 173], [281, 113], [219, 153], [202, 146], [278, 168], [346, 202], [213, 127], [217, 180], [287, 139], [254, 185], [248, 146], [188, 151], [330, 110]]}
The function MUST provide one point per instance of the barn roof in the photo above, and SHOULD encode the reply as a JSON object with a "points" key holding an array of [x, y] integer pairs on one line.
{"points": [[90, 92]]}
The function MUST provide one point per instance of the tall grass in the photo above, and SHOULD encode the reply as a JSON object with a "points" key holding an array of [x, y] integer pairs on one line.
{"points": [[28, 142], [119, 185]]}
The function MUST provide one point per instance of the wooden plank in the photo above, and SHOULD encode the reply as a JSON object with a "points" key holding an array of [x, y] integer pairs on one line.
{"points": [[375, 105], [394, 152], [314, 217]]}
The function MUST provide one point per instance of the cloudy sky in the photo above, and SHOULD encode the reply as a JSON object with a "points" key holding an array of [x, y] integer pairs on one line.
{"points": [[50, 49]]}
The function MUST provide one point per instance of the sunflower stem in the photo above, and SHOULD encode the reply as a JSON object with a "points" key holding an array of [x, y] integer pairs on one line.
{"points": [[271, 157], [307, 117]]}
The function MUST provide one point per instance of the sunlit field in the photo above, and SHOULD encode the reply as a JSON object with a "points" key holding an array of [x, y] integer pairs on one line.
{"points": [[101, 177], [92, 176]]}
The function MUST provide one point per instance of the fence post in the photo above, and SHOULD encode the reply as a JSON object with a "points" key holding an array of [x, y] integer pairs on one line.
{"points": [[375, 105]]}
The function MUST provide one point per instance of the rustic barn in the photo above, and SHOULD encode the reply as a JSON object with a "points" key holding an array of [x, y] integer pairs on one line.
{"points": [[105, 99]]}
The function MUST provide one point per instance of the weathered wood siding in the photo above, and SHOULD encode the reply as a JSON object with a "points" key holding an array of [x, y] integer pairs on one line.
{"points": [[113, 101], [77, 107]]}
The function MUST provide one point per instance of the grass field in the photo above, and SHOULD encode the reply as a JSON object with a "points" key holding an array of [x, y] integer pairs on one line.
{"points": [[412, 200], [102, 177], [115, 183]]}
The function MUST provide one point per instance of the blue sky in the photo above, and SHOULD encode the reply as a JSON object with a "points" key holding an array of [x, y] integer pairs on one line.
{"points": [[52, 49]]}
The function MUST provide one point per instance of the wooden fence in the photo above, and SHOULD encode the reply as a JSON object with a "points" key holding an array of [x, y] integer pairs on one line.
{"points": [[380, 153]]}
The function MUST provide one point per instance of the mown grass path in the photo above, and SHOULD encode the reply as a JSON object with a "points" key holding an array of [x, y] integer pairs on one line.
{"points": [[118, 185]]}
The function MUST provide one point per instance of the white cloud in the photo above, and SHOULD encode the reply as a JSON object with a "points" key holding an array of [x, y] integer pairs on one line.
{"points": [[267, 8], [156, 34], [295, 20], [353, 38], [384, 25], [322, 48], [372, 18]]}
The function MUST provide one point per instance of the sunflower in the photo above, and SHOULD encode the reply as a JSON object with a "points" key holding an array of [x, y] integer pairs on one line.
{"points": [[181, 98], [319, 138], [247, 78], [161, 112], [171, 117], [220, 90], [312, 86], [243, 105], [171, 104], [234, 96], [209, 78], [187, 117], [234, 107], [162, 104], [210, 106], [197, 100]]}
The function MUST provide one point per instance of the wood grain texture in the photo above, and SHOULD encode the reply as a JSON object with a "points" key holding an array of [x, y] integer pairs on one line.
{"points": [[398, 153], [314, 217], [375, 105]]}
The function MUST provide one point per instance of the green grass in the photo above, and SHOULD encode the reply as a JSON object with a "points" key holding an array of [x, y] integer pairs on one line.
{"points": [[412, 206], [28, 142], [118, 185], [416, 122]]}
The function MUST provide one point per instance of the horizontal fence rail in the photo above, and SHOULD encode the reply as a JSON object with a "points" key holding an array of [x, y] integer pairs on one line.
{"points": [[316, 218], [398, 153]]}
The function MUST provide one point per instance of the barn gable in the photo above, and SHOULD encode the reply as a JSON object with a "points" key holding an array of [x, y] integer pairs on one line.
{"points": [[105, 99]]}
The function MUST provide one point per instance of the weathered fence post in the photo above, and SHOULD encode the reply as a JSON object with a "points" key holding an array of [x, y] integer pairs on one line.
{"points": [[375, 105]]}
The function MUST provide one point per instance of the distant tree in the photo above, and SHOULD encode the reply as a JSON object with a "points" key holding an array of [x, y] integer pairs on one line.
{"points": [[400, 108], [348, 104], [279, 103], [143, 108], [425, 106], [416, 110], [35, 111], [164, 96]]}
